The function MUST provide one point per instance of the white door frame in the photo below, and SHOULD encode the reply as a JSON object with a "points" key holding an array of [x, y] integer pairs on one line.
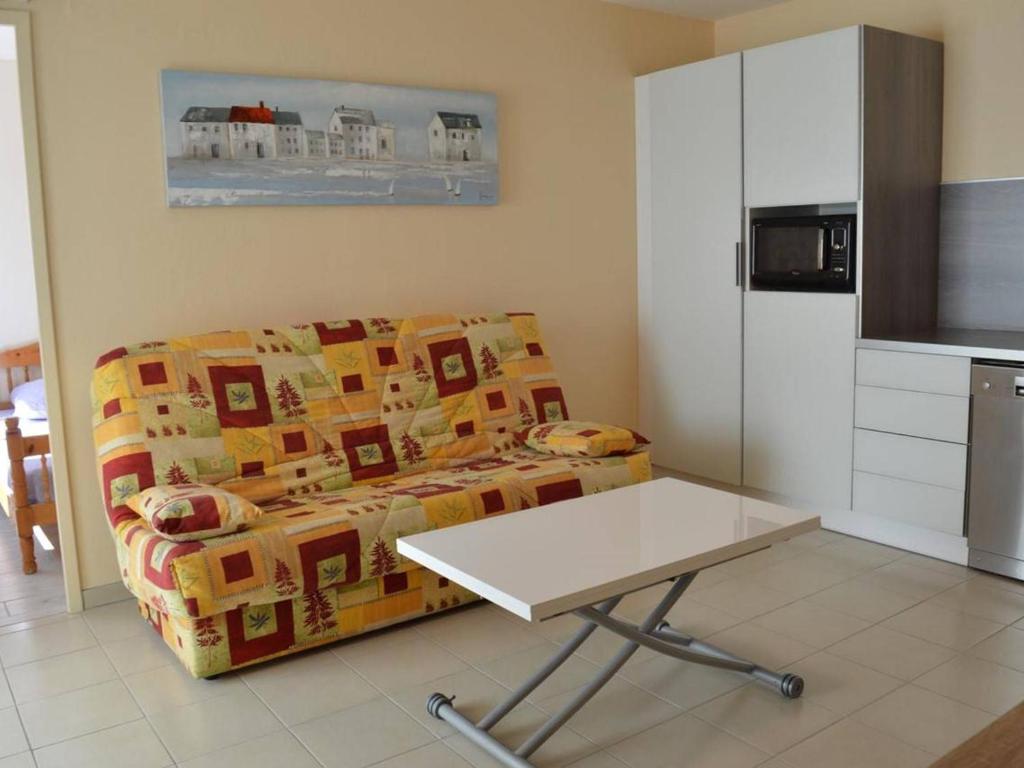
{"points": [[44, 302]]}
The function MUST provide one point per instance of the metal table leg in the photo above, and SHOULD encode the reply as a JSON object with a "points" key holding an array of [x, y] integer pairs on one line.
{"points": [[653, 632]]}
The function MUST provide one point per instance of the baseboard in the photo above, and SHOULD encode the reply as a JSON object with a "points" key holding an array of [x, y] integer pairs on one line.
{"points": [[942, 546], [104, 594]]}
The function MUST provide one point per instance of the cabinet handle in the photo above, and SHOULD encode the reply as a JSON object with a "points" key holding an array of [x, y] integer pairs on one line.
{"points": [[739, 265]]}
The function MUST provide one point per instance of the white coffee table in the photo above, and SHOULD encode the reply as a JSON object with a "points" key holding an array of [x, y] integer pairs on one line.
{"points": [[583, 556]]}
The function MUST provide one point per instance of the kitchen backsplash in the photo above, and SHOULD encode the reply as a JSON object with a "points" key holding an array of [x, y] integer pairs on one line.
{"points": [[981, 255]]}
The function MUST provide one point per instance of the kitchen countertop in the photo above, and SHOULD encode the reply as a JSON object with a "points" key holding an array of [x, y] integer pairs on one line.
{"points": [[960, 342]]}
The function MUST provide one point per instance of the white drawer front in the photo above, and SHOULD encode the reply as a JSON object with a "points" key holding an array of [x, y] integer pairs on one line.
{"points": [[927, 506], [938, 417], [910, 458], [938, 374]]}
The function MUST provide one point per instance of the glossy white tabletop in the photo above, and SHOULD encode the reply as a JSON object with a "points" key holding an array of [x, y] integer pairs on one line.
{"points": [[541, 562]]}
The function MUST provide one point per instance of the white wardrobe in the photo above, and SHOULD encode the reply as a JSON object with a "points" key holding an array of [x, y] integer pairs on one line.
{"points": [[757, 387]]}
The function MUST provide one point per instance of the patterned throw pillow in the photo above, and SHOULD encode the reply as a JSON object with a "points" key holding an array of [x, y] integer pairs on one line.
{"points": [[193, 512], [582, 438]]}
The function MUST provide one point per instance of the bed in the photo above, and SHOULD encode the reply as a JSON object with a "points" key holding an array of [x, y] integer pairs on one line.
{"points": [[26, 480]]}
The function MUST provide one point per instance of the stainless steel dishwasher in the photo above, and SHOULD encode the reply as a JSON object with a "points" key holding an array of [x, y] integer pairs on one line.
{"points": [[995, 517]]}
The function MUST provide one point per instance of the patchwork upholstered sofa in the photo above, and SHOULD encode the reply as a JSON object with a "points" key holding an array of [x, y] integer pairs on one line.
{"points": [[346, 435]]}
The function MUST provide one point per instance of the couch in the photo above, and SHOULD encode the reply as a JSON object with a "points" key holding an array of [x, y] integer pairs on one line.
{"points": [[347, 435]]}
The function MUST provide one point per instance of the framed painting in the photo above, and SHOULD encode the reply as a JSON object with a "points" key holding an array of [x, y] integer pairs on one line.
{"points": [[249, 140]]}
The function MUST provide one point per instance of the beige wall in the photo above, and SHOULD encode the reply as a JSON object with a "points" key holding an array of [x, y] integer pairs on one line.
{"points": [[562, 242], [984, 85], [19, 319]]}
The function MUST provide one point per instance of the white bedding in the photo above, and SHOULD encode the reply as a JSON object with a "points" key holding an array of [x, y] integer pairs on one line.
{"points": [[29, 427]]}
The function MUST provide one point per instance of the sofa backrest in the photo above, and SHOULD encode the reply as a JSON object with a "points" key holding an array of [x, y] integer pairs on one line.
{"points": [[318, 407]]}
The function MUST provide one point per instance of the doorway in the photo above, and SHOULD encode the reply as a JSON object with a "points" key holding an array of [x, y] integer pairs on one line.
{"points": [[38, 565]]}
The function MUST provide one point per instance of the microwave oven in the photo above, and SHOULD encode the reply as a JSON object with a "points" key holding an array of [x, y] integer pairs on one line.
{"points": [[805, 253]]}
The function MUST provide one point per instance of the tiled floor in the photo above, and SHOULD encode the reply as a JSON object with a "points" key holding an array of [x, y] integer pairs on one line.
{"points": [[904, 657], [28, 597]]}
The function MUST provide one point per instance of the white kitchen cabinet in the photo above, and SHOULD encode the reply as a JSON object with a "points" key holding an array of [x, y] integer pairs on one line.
{"points": [[911, 458], [919, 414], [798, 395], [801, 120], [689, 217], [910, 451], [937, 374], [932, 508]]}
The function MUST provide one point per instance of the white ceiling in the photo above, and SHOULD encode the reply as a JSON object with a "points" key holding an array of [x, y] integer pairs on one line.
{"points": [[700, 9]]}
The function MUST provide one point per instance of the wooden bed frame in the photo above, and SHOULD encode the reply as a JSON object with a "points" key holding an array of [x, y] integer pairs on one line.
{"points": [[19, 448]]}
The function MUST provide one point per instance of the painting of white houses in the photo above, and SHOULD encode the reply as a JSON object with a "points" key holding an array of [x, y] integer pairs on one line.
{"points": [[242, 140]]}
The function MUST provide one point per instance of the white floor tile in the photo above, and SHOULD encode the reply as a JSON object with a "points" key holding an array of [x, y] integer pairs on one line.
{"points": [[139, 654], [1005, 648], [858, 555], [306, 686], [983, 598], [514, 669], [742, 597], [941, 566], [475, 695], [617, 712], [77, 713], [924, 719], [398, 659], [686, 741], [564, 747], [212, 724], [761, 646], [172, 686], [891, 652], [910, 580], [849, 744], [684, 684], [945, 626], [862, 600], [22, 760], [839, 684], [698, 620], [811, 623], [64, 636], [598, 760], [12, 737], [36, 606], [117, 621], [602, 646], [362, 735], [436, 755], [6, 697], [59, 674], [275, 750], [765, 719], [976, 682], [801, 576], [477, 634], [132, 745]]}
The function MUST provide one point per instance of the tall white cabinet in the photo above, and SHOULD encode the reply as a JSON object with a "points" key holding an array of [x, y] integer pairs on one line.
{"points": [[757, 387], [798, 399], [801, 120], [690, 200]]}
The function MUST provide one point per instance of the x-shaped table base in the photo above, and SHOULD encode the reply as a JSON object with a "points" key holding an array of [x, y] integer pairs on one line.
{"points": [[653, 632]]}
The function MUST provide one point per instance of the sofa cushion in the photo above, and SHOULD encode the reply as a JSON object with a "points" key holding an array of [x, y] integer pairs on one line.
{"points": [[193, 512], [341, 539], [581, 438]]}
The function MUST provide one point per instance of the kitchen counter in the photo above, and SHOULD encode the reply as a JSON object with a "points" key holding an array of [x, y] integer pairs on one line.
{"points": [[960, 342]]}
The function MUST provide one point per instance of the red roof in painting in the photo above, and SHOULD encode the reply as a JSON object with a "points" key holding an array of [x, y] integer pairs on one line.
{"points": [[260, 114]]}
